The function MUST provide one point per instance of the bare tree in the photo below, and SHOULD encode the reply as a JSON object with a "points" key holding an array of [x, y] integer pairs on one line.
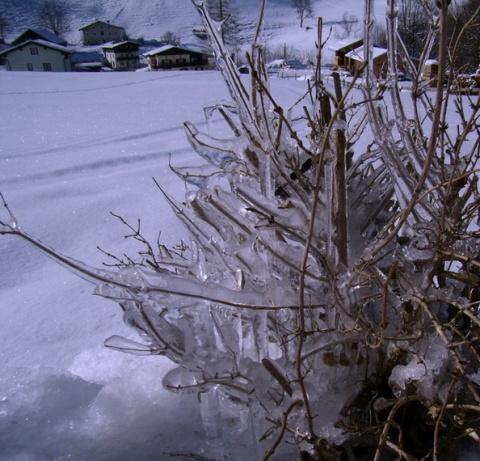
{"points": [[55, 16], [170, 38], [4, 27], [348, 26], [304, 10], [379, 35], [465, 33], [413, 25]]}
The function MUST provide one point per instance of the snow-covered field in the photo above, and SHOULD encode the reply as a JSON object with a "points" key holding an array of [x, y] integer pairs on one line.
{"points": [[74, 148]]}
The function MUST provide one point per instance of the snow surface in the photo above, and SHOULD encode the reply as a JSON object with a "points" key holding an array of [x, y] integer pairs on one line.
{"points": [[73, 148]]}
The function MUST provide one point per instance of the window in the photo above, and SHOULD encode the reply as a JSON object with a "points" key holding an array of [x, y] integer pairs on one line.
{"points": [[47, 66], [33, 50], [30, 66]]}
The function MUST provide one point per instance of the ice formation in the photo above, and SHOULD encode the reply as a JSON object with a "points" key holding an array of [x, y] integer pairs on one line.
{"points": [[317, 291]]}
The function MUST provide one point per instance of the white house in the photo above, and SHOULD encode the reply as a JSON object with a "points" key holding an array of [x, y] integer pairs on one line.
{"points": [[99, 32], [38, 55], [122, 56]]}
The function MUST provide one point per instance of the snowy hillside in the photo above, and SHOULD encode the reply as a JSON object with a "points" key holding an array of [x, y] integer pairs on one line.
{"points": [[151, 19]]}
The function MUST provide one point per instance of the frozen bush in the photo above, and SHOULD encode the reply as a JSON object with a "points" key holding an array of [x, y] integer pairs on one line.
{"points": [[328, 299]]}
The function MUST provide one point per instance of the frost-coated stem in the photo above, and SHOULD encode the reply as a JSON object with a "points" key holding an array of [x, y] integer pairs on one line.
{"points": [[439, 101], [270, 452], [331, 272], [170, 284], [259, 28], [340, 209], [369, 21], [414, 149], [227, 67]]}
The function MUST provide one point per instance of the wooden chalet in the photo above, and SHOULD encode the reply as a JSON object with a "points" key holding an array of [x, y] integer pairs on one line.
{"points": [[171, 57], [341, 48], [355, 59]]}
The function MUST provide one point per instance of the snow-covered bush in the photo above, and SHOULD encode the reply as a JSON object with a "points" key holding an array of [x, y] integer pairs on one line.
{"points": [[328, 299]]}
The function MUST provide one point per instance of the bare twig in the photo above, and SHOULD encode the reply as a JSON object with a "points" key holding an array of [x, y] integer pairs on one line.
{"points": [[272, 449]]}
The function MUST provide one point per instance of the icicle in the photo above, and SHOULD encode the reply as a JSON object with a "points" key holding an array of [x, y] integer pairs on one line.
{"points": [[219, 153], [131, 347], [211, 417]]}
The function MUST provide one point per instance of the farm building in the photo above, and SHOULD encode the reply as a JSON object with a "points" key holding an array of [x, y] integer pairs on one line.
{"points": [[172, 57], [100, 32]]}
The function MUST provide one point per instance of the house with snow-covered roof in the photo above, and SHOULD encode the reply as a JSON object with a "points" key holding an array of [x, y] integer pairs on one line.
{"points": [[39, 56], [342, 47], [173, 57], [355, 59], [100, 32], [39, 34], [122, 55], [350, 56]]}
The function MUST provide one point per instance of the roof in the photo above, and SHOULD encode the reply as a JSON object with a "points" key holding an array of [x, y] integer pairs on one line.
{"points": [[119, 44], [43, 43], [102, 22], [276, 63], [86, 56], [165, 48], [42, 34], [347, 43], [358, 53], [296, 64]]}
